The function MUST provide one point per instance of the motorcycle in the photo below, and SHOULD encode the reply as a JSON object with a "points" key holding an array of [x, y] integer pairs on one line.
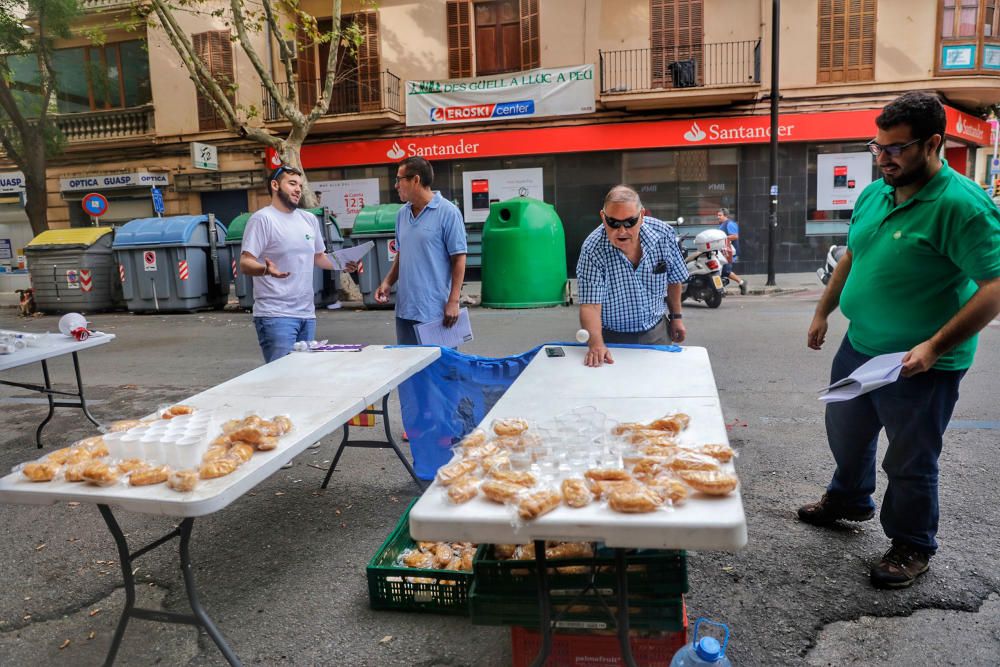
{"points": [[833, 256], [705, 281]]}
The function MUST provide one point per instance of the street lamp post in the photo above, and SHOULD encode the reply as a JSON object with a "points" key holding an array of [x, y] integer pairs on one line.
{"points": [[772, 226]]}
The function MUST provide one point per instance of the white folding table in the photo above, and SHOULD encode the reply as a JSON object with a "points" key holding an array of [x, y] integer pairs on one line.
{"points": [[641, 385], [48, 347], [319, 391]]}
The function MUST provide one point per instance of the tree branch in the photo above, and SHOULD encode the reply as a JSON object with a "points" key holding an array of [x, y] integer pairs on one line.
{"points": [[285, 53], [290, 112], [331, 67]]}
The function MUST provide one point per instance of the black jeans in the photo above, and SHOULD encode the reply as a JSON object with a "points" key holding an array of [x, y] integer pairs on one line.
{"points": [[658, 335]]}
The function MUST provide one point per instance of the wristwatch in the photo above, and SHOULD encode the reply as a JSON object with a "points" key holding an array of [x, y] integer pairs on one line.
{"points": [[675, 316]]}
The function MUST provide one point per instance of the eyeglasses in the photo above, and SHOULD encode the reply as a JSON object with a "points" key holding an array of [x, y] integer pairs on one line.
{"points": [[627, 223], [404, 178], [895, 150]]}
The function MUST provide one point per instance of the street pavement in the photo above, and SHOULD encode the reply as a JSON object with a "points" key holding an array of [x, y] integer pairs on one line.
{"points": [[282, 570]]}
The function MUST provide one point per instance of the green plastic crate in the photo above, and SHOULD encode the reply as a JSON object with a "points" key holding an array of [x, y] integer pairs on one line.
{"points": [[389, 588], [587, 613], [651, 572]]}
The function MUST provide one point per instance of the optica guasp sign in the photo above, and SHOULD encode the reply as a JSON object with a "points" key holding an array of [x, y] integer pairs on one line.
{"points": [[540, 92]]}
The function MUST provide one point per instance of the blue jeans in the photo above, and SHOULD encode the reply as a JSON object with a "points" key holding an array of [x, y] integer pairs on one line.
{"points": [[914, 412], [277, 335]]}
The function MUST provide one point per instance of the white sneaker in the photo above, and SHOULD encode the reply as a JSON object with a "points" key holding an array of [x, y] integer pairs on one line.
{"points": [[333, 306]]}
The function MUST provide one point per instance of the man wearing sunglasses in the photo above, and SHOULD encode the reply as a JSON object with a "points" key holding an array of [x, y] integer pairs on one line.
{"points": [[922, 276], [626, 266]]}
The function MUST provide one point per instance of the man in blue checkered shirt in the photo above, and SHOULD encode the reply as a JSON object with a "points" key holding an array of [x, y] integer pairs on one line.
{"points": [[625, 267]]}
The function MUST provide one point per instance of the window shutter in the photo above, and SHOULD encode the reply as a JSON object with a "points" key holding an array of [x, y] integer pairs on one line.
{"points": [[369, 87], [459, 40], [846, 49], [677, 33], [215, 50], [530, 51], [306, 70]]}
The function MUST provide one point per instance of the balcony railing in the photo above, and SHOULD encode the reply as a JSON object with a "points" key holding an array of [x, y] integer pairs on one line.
{"points": [[104, 5], [697, 65], [109, 124], [351, 95]]}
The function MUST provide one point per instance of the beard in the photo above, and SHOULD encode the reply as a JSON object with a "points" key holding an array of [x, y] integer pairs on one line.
{"points": [[286, 199], [908, 176]]}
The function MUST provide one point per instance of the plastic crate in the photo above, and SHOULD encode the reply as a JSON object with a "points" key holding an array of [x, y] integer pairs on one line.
{"points": [[576, 613], [444, 592], [652, 572], [648, 649]]}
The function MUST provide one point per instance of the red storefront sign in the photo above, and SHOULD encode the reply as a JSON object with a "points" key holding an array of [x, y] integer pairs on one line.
{"points": [[699, 132]]}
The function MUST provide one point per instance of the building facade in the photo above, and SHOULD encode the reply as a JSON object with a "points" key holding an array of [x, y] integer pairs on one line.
{"points": [[671, 96]]}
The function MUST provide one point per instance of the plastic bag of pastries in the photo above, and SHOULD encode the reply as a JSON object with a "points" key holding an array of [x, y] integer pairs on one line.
{"points": [[464, 489], [533, 504], [452, 472], [218, 467], [634, 499], [519, 477], [575, 492], [183, 481], [101, 473], [41, 471], [718, 451], [474, 438], [710, 482], [499, 491], [510, 426], [124, 425], [690, 460], [149, 475], [176, 411], [673, 424]]}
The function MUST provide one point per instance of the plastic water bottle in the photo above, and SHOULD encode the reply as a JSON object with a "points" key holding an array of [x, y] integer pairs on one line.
{"points": [[703, 650]]}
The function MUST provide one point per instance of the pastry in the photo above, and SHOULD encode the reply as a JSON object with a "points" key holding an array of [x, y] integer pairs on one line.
{"points": [[499, 491], [519, 477], [647, 468], [673, 424], [282, 423], [499, 461], [719, 452], [627, 427], [668, 489], [93, 444], [100, 473], [570, 550], [124, 425], [183, 480], [59, 456], [510, 426], [480, 451], [464, 490], [74, 472], [128, 465], [176, 411], [222, 441], [267, 443], [504, 551], [656, 449], [426, 546], [474, 439], [41, 471], [215, 453], [688, 460], [251, 434], [149, 475], [633, 499], [454, 471], [710, 482], [510, 443], [607, 475], [536, 503], [443, 555], [466, 560], [647, 436], [242, 451], [418, 559], [575, 493], [600, 488], [218, 467], [231, 425]]}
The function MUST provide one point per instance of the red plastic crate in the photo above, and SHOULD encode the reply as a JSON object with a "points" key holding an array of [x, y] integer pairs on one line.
{"points": [[650, 649]]}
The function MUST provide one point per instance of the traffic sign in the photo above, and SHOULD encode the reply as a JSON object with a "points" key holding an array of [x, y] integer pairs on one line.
{"points": [[95, 204], [157, 200]]}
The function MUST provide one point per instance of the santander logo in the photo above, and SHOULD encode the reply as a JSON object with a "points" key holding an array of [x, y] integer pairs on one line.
{"points": [[695, 133], [395, 153]]}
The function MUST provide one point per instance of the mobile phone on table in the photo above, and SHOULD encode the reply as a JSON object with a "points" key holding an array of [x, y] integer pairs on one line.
{"points": [[555, 352]]}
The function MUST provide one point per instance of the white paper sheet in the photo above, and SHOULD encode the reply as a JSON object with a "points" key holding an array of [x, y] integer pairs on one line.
{"points": [[340, 258], [436, 333], [874, 373]]}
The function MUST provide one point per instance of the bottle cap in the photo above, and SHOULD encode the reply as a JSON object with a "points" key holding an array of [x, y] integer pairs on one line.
{"points": [[708, 649]]}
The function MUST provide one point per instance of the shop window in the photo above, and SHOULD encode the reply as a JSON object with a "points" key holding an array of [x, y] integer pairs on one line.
{"points": [[91, 78], [504, 34], [968, 36], [215, 49], [677, 42], [846, 41], [837, 173]]}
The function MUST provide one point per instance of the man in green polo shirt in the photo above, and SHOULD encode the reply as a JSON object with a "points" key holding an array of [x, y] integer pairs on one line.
{"points": [[921, 276]]}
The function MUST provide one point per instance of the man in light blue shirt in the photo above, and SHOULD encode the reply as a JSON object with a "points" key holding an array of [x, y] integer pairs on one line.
{"points": [[430, 233]]}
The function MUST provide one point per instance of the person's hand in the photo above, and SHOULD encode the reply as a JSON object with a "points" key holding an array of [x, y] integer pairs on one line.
{"points": [[271, 269], [351, 267], [597, 355], [919, 359], [382, 293], [677, 331], [450, 314], [817, 332]]}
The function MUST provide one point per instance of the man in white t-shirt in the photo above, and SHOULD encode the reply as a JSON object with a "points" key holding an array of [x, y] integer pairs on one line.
{"points": [[281, 244]]}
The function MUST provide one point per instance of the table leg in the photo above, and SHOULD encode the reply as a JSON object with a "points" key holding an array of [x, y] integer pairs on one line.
{"points": [[336, 457], [79, 389], [126, 559], [52, 404], [621, 569], [544, 605]]}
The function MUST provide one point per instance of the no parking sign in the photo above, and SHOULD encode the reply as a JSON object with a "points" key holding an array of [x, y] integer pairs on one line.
{"points": [[393, 249], [95, 204], [149, 260]]}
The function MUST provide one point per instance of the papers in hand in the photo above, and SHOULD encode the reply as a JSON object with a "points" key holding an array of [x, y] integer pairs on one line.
{"points": [[874, 373], [436, 333], [340, 258]]}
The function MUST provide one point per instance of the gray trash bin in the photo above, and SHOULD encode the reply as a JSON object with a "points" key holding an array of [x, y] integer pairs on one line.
{"points": [[242, 283], [378, 224], [173, 264], [73, 270]]}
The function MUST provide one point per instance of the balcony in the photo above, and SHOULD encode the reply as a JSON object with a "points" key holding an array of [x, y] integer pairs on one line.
{"points": [[97, 6], [701, 74], [131, 125], [356, 102]]}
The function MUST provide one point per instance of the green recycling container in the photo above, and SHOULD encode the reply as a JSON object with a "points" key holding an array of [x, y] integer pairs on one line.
{"points": [[376, 224], [524, 255]]}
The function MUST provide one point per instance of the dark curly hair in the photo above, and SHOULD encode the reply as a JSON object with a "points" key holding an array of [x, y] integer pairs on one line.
{"points": [[922, 112]]}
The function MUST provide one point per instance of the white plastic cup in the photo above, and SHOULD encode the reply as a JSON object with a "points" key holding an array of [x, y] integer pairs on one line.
{"points": [[117, 449], [131, 443], [152, 448]]}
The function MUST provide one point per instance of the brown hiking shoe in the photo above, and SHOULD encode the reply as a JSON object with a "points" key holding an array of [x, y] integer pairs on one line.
{"points": [[827, 510], [900, 567]]}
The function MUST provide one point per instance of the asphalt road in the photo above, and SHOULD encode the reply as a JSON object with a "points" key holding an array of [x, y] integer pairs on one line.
{"points": [[281, 571]]}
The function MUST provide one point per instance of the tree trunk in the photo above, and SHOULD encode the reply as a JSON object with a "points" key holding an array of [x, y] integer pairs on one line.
{"points": [[36, 189], [291, 156]]}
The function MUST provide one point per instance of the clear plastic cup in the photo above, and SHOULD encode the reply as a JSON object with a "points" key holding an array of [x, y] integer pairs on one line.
{"points": [[116, 448], [186, 452]]}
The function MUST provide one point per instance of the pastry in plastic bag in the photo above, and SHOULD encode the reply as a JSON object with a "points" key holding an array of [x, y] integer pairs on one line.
{"points": [[499, 461], [633, 499], [41, 471], [215, 453], [280, 425], [519, 477], [510, 443], [267, 443], [177, 411], [149, 475], [718, 451], [575, 493], [710, 482], [504, 551], [688, 460], [464, 490], [669, 489], [417, 559], [648, 468], [475, 438], [124, 425], [128, 465], [510, 426], [454, 471], [607, 475], [218, 467], [570, 550], [673, 424], [74, 472], [627, 427], [536, 503], [100, 473], [651, 436], [242, 451], [443, 555], [183, 480], [601, 488], [480, 451], [658, 449], [250, 434], [499, 491]]}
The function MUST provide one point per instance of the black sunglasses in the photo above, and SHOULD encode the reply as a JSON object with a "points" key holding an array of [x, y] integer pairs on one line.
{"points": [[627, 223], [893, 150]]}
